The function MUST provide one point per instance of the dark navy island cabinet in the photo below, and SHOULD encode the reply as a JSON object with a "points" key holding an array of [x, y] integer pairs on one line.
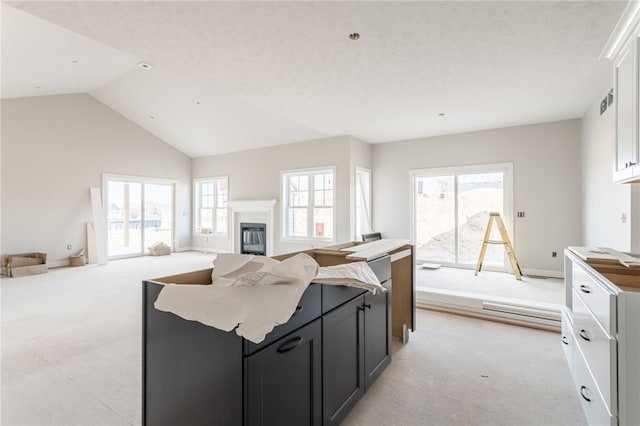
{"points": [[310, 371]]}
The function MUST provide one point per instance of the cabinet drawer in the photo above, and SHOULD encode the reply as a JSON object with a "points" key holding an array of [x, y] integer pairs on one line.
{"points": [[594, 407], [566, 336], [308, 309], [599, 351], [335, 295], [596, 297]]}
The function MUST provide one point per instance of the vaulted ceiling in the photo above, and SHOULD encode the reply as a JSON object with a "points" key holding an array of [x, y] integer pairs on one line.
{"points": [[236, 75]]}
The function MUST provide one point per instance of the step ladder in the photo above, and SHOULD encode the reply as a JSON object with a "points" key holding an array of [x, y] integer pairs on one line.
{"points": [[506, 242]]}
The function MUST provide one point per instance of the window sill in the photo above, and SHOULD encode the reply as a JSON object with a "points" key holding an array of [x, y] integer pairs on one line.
{"points": [[215, 235], [308, 241]]}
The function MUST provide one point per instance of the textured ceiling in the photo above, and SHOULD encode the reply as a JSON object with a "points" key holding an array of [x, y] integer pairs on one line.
{"points": [[278, 72]]}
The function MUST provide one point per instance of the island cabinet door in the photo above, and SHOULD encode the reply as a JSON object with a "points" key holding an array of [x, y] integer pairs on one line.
{"points": [[283, 381], [377, 335], [342, 360]]}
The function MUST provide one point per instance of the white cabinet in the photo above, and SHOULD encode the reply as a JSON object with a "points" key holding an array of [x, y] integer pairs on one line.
{"points": [[624, 50], [625, 82], [601, 337]]}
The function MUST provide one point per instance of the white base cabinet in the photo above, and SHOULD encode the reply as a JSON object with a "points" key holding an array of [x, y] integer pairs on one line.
{"points": [[601, 337]]}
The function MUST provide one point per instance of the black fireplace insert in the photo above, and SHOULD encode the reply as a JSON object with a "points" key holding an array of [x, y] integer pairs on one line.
{"points": [[253, 238]]}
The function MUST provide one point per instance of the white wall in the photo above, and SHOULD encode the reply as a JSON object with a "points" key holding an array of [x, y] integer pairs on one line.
{"points": [[603, 202], [54, 148], [255, 175], [546, 159]]}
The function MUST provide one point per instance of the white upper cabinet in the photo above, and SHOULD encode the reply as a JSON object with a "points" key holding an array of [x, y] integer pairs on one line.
{"points": [[625, 95], [623, 48]]}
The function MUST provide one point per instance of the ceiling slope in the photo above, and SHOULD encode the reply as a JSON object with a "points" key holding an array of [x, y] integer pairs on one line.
{"points": [[289, 71]]}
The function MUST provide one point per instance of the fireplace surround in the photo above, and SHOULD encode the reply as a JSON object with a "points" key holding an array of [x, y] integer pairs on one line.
{"points": [[252, 211]]}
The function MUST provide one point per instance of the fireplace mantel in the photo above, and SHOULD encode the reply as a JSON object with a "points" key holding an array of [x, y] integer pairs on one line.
{"points": [[266, 207]]}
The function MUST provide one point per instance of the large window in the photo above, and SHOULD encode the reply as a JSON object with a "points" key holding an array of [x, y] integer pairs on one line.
{"points": [[139, 213], [212, 213], [363, 202], [308, 208], [452, 209]]}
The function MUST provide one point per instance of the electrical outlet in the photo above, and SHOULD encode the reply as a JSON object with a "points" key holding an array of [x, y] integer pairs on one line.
{"points": [[68, 246], [554, 254], [520, 214], [603, 106]]}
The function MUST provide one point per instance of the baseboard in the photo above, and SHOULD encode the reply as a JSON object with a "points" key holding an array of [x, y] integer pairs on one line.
{"points": [[204, 249], [542, 273], [541, 315], [58, 263]]}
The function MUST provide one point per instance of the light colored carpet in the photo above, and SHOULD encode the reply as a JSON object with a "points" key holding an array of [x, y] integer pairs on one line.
{"points": [[71, 355]]}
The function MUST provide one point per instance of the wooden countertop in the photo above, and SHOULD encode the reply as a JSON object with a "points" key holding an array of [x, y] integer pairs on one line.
{"points": [[367, 251]]}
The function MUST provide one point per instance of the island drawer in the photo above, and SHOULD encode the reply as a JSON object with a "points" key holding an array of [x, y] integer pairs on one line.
{"points": [[308, 309]]}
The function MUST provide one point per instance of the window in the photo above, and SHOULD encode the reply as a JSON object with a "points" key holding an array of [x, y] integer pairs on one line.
{"points": [[212, 214], [139, 213], [451, 213], [363, 202], [308, 208]]}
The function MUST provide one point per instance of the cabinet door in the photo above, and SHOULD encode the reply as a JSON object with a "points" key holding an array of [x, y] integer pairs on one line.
{"points": [[283, 381], [625, 155], [342, 360], [377, 335]]}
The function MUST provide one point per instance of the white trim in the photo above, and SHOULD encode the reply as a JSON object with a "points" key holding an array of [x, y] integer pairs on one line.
{"points": [[196, 210], [542, 273], [140, 179], [622, 31], [521, 312], [283, 207], [205, 250], [255, 206], [355, 201]]}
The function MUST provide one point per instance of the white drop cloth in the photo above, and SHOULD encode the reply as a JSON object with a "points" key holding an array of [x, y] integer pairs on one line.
{"points": [[253, 294], [239, 295], [356, 274]]}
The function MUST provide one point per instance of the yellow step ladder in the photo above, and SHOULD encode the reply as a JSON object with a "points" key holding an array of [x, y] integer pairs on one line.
{"points": [[506, 242]]}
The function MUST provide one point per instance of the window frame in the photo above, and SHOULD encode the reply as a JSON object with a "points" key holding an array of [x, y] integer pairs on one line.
{"points": [[284, 196], [368, 227], [197, 206]]}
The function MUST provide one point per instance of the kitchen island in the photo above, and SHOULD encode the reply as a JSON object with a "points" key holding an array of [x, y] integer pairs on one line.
{"points": [[311, 370]]}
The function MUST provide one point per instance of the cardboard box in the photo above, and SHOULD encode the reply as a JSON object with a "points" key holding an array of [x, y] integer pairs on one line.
{"points": [[77, 259], [159, 249], [19, 265]]}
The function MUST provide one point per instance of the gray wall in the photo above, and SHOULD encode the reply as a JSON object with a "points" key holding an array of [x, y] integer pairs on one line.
{"points": [[546, 167], [54, 148], [255, 175]]}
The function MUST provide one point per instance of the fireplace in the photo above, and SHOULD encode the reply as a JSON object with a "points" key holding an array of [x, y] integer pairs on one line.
{"points": [[253, 238]]}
